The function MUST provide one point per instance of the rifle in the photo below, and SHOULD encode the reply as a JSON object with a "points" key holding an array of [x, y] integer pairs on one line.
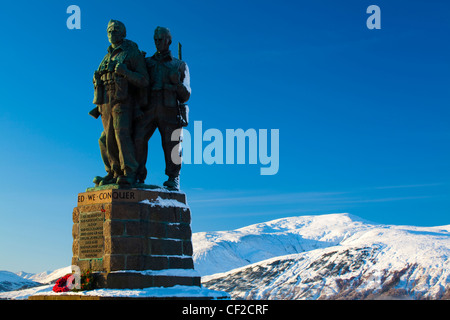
{"points": [[183, 109]]}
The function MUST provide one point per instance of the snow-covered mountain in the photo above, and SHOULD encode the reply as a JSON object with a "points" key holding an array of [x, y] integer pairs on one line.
{"points": [[225, 250], [335, 256], [46, 276], [10, 281]]}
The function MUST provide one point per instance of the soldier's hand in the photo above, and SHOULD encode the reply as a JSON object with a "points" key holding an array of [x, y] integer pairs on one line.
{"points": [[121, 69], [174, 77]]}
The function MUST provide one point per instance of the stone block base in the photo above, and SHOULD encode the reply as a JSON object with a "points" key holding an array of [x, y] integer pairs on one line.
{"points": [[126, 280], [118, 230]]}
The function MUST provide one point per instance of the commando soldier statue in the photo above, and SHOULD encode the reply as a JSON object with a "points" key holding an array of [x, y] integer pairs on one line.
{"points": [[166, 111], [120, 85]]}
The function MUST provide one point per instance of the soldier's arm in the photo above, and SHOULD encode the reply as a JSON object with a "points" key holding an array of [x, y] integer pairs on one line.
{"points": [[138, 75], [184, 87]]}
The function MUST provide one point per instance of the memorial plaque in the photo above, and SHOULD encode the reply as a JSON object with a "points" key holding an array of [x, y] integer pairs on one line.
{"points": [[127, 195], [91, 235]]}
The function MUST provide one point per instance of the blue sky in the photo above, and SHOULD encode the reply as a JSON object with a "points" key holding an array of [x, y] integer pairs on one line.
{"points": [[363, 115]]}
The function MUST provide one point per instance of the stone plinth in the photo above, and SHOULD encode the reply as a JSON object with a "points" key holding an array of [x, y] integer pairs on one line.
{"points": [[134, 238]]}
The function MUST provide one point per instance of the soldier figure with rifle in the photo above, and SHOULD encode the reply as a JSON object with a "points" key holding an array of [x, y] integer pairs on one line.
{"points": [[166, 111]]}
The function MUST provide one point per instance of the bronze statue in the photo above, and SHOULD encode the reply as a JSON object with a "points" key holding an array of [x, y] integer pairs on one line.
{"points": [[135, 96], [166, 111], [120, 91]]}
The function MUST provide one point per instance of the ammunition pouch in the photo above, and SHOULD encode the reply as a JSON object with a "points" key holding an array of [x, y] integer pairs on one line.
{"points": [[99, 92], [99, 89], [116, 87]]}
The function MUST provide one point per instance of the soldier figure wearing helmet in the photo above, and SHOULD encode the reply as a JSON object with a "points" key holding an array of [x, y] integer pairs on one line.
{"points": [[120, 91], [168, 91]]}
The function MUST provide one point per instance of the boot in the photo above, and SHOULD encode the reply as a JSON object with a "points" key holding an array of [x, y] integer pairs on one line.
{"points": [[108, 179], [126, 180], [140, 178], [173, 183]]}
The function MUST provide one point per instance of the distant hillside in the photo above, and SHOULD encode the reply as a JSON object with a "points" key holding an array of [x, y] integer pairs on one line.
{"points": [[10, 281], [336, 256]]}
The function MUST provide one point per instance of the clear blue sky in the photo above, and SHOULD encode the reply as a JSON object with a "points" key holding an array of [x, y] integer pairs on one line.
{"points": [[363, 115]]}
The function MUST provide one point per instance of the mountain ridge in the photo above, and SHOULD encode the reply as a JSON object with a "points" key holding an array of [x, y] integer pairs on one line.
{"points": [[332, 256], [353, 259]]}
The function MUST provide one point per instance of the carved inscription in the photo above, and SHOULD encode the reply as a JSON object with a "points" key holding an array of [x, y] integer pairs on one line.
{"points": [[91, 235], [104, 196]]}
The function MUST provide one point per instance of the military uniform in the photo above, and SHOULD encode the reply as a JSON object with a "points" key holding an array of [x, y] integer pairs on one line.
{"points": [[169, 87], [119, 98]]}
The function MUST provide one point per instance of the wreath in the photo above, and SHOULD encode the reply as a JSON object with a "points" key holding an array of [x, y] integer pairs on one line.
{"points": [[87, 282], [61, 284]]}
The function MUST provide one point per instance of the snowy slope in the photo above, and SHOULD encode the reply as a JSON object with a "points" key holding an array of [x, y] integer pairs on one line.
{"points": [[342, 257], [192, 292], [21, 280], [334, 256], [46, 276], [11, 281], [225, 250]]}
